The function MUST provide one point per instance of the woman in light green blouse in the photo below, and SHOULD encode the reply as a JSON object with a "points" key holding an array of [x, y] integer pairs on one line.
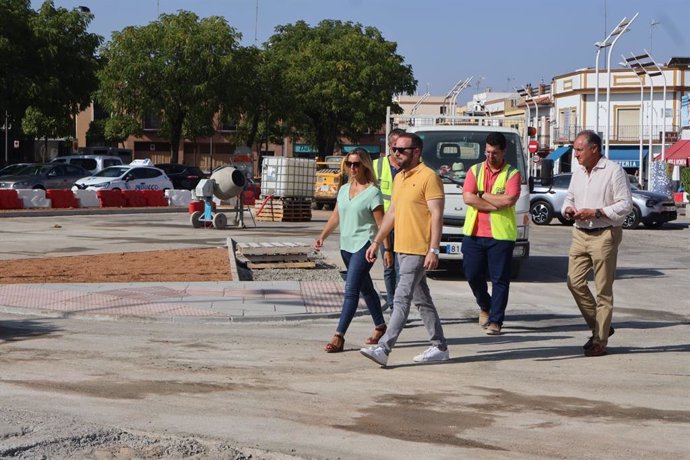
{"points": [[358, 211]]}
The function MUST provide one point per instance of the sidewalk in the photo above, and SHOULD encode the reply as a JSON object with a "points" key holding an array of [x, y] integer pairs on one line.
{"points": [[198, 301]]}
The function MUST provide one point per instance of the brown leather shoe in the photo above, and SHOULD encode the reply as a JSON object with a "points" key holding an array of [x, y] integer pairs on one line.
{"points": [[596, 350], [590, 342]]}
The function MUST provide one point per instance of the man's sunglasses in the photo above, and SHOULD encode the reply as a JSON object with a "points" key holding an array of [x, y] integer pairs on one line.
{"points": [[354, 164], [401, 149]]}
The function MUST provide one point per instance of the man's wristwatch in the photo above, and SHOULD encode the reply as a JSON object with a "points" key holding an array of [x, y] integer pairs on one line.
{"points": [[435, 251], [597, 213]]}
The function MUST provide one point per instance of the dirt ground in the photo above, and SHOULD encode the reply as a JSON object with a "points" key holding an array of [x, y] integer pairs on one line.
{"points": [[149, 266]]}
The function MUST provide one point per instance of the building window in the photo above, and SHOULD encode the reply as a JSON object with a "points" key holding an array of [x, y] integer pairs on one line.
{"points": [[627, 123], [152, 123]]}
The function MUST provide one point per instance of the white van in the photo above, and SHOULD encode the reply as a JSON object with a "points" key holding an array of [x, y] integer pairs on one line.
{"points": [[452, 144], [93, 163]]}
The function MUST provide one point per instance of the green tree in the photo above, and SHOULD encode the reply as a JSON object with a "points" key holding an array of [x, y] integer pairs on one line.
{"points": [[65, 81], [339, 76], [178, 68], [16, 56]]}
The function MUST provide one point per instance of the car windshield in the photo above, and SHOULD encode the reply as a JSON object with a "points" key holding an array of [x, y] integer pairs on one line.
{"points": [[35, 170], [112, 171], [452, 153], [12, 169]]}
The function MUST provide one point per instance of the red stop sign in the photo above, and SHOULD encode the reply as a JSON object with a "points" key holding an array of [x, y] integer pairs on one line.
{"points": [[532, 146]]}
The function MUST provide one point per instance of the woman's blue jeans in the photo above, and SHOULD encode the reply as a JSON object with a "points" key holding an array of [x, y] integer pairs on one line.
{"points": [[358, 282]]}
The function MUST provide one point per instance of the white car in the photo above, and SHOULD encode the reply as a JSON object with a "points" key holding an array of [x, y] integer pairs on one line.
{"points": [[126, 177]]}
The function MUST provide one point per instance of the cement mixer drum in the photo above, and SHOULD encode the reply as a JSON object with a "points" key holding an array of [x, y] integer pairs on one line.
{"points": [[228, 182]]}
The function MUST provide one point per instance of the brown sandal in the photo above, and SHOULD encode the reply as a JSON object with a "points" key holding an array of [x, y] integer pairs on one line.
{"points": [[336, 344], [376, 336]]}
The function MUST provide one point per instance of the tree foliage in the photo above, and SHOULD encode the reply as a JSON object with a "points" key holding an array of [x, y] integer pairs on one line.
{"points": [[16, 51], [339, 77], [178, 68], [48, 67]]}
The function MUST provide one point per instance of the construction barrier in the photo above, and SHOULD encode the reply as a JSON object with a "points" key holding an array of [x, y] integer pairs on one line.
{"points": [[110, 198], [9, 199], [87, 198], [155, 198], [134, 199], [61, 198], [33, 198], [65, 199], [179, 197]]}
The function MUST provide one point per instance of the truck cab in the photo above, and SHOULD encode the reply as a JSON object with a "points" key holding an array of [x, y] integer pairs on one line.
{"points": [[451, 146]]}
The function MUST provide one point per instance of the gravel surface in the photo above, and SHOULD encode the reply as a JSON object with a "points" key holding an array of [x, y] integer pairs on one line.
{"points": [[29, 435], [324, 271]]}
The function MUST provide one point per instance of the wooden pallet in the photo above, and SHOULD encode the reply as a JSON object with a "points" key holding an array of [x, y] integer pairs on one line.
{"points": [[275, 255], [273, 209]]}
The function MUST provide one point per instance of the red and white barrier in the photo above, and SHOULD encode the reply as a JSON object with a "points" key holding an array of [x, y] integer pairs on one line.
{"points": [[66, 199], [33, 198]]}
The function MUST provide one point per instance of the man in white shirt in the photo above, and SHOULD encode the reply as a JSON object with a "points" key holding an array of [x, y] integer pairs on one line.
{"points": [[598, 200]]}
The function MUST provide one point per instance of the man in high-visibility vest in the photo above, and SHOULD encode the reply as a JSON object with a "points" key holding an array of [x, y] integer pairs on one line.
{"points": [[385, 168], [490, 192]]}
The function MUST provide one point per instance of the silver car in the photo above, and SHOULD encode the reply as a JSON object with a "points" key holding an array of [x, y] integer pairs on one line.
{"points": [[649, 208], [44, 176]]}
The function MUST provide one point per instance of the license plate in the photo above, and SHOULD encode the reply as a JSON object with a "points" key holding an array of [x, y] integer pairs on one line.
{"points": [[453, 248], [669, 208]]}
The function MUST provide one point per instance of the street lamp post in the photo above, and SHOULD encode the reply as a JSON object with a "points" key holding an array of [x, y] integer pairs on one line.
{"points": [[525, 93], [627, 62], [644, 63], [653, 63], [620, 28], [608, 83]]}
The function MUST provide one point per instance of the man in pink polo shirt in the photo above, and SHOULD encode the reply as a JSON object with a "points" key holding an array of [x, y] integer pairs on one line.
{"points": [[490, 192]]}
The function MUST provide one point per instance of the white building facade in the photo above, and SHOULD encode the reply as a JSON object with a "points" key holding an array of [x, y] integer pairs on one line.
{"points": [[631, 122]]}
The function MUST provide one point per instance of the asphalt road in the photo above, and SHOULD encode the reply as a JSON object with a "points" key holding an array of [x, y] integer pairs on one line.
{"points": [[123, 389]]}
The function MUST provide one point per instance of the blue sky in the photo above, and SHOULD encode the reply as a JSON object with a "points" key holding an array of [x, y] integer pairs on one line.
{"points": [[501, 43]]}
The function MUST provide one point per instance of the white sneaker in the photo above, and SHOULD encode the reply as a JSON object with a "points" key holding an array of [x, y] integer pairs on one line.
{"points": [[432, 354], [376, 353]]}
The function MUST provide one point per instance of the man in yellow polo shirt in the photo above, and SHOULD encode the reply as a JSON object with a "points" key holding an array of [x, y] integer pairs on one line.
{"points": [[416, 211]]}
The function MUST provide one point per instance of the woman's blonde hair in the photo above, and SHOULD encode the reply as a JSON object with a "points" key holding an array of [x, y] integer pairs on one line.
{"points": [[366, 163]]}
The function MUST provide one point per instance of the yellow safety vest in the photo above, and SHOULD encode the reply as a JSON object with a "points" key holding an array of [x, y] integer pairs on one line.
{"points": [[503, 221], [385, 177]]}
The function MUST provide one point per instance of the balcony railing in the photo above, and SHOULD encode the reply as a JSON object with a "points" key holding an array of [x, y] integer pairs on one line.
{"points": [[619, 134]]}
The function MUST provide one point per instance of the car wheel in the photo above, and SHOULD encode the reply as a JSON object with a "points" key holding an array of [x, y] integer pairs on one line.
{"points": [[655, 224], [541, 212], [632, 220]]}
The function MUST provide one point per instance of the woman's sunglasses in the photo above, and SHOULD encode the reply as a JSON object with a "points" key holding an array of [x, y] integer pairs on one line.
{"points": [[353, 164]]}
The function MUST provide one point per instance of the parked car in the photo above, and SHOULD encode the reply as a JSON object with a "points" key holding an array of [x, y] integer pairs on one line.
{"points": [[125, 154], [126, 177], [649, 208], [182, 176], [13, 169], [92, 163], [44, 176]]}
